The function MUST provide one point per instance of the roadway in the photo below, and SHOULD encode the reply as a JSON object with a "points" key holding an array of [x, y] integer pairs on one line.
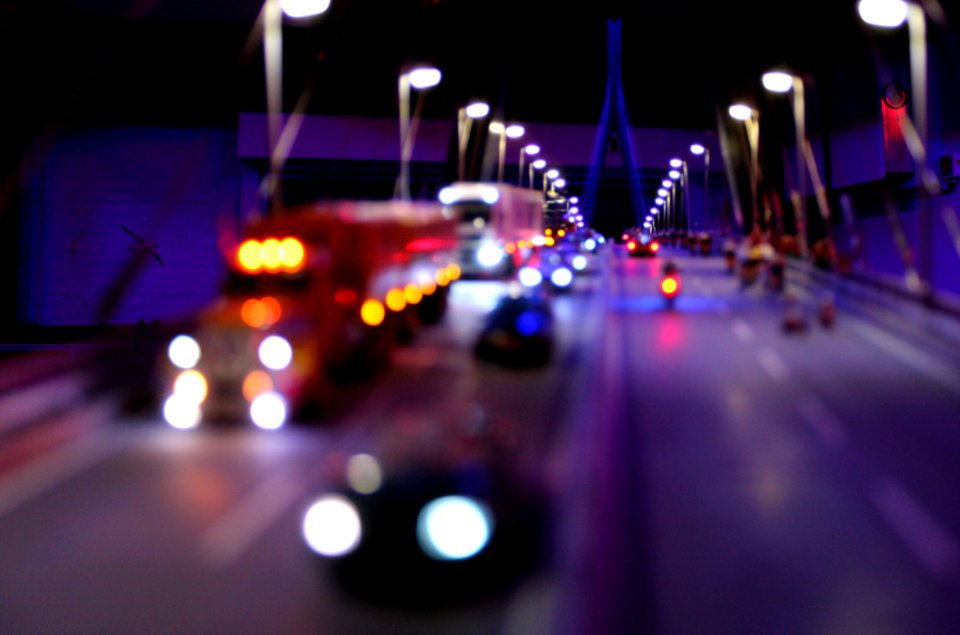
{"points": [[709, 473]]}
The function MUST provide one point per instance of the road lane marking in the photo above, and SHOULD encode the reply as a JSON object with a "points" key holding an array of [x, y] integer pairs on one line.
{"points": [[773, 364], [823, 421], [45, 473], [224, 542], [742, 330], [931, 544], [925, 364]]}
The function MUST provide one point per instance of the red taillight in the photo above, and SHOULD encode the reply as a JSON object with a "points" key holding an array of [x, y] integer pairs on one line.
{"points": [[631, 245], [654, 246], [626, 236], [670, 286]]}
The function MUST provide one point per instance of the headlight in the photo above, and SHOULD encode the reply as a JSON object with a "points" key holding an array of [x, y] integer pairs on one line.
{"points": [[181, 412], [489, 256], [529, 277], [579, 262], [332, 526], [268, 411], [275, 352], [191, 385], [184, 352], [454, 527], [561, 277]]}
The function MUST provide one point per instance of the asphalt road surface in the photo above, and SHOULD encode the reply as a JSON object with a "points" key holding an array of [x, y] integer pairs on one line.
{"points": [[707, 472]]}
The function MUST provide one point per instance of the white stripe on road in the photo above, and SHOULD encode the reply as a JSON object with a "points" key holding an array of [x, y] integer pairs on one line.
{"points": [[773, 364], [46, 472], [824, 422], [226, 540], [742, 330], [939, 372], [926, 539]]}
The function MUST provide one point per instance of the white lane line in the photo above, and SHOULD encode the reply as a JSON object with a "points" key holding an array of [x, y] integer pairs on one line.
{"points": [[773, 364], [742, 330], [939, 372], [923, 536], [225, 541], [823, 421], [46, 472]]}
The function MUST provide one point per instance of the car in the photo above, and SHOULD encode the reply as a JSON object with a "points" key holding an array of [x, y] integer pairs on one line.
{"points": [[518, 332], [640, 248], [435, 513]]}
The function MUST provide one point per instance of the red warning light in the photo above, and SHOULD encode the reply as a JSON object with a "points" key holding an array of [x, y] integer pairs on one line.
{"points": [[670, 286], [654, 246]]}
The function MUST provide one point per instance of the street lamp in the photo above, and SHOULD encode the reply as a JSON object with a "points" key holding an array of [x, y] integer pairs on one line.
{"points": [[465, 117], [532, 149], [550, 175], [537, 164], [892, 14], [271, 19], [420, 78], [699, 149], [513, 131], [780, 82], [750, 118]]}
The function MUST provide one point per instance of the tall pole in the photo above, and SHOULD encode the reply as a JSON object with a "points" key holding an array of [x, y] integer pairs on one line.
{"points": [[800, 124], [273, 65], [706, 184], [916, 25], [403, 90]]}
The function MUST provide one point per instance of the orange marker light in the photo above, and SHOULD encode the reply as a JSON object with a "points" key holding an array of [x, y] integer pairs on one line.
{"points": [[395, 300], [453, 271], [271, 310], [292, 254], [253, 313], [250, 256], [412, 294], [256, 383], [271, 254], [372, 312]]}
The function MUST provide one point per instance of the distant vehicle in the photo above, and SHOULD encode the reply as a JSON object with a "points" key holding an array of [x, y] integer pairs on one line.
{"points": [[640, 248], [436, 513], [495, 224], [518, 332], [316, 295]]}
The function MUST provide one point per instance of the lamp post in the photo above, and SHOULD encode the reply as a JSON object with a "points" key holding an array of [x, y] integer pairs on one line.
{"points": [[504, 131], [550, 175], [750, 118], [892, 14], [271, 19], [532, 149], [699, 149], [780, 82], [465, 117], [420, 78], [537, 164]]}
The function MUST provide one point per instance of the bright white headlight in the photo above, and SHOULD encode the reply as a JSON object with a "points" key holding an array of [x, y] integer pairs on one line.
{"points": [[268, 411], [275, 352], [579, 262], [332, 526], [454, 527], [181, 412], [529, 277], [489, 255], [184, 352], [561, 277]]}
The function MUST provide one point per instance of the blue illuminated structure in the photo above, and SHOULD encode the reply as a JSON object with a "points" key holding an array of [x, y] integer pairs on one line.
{"points": [[613, 121]]}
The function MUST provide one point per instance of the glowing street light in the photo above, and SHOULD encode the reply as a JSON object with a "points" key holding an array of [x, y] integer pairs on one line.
{"points": [[676, 163], [883, 13], [661, 192], [698, 150], [420, 78], [673, 174], [549, 176], [303, 8], [750, 118], [781, 82], [892, 14], [465, 117], [537, 164], [531, 149], [513, 131], [271, 19]]}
